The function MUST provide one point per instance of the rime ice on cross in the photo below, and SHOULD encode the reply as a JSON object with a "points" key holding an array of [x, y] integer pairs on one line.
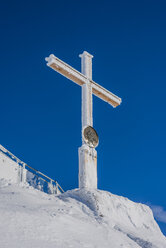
{"points": [[87, 154]]}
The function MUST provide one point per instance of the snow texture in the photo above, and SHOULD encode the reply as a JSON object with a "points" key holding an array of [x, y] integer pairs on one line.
{"points": [[77, 218], [15, 173], [9, 169]]}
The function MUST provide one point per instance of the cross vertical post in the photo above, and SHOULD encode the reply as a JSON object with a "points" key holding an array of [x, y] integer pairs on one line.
{"points": [[87, 155], [86, 69]]}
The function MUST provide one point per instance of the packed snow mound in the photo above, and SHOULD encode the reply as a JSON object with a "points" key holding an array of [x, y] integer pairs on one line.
{"points": [[77, 218]]}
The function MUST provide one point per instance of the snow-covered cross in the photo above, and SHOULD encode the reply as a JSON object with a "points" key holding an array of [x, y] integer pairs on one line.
{"points": [[87, 152]]}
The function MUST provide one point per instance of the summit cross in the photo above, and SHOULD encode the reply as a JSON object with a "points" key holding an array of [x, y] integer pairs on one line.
{"points": [[87, 152]]}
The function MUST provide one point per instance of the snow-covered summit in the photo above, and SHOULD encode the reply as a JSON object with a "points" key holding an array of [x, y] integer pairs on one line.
{"points": [[77, 218]]}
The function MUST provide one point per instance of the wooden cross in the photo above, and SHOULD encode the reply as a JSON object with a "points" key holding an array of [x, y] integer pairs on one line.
{"points": [[87, 154]]}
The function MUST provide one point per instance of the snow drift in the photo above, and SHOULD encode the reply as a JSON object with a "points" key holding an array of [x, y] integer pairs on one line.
{"points": [[77, 218]]}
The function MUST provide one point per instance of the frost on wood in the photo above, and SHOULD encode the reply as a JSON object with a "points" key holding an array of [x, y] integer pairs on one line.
{"points": [[87, 163], [87, 167], [80, 79]]}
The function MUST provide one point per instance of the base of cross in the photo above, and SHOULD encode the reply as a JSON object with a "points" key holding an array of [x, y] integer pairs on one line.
{"points": [[87, 167]]}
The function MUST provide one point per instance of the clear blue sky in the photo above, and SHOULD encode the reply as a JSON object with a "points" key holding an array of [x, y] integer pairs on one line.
{"points": [[40, 116]]}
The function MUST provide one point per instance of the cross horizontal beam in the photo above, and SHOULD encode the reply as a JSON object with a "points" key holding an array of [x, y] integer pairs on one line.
{"points": [[77, 77]]}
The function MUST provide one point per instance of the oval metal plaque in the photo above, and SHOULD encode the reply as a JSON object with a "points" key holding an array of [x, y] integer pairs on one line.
{"points": [[90, 136]]}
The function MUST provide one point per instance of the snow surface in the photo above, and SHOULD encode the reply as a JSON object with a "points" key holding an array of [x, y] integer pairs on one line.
{"points": [[16, 173], [78, 218], [9, 169]]}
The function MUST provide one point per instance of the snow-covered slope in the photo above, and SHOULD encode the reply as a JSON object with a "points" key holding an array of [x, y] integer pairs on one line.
{"points": [[77, 218], [15, 170]]}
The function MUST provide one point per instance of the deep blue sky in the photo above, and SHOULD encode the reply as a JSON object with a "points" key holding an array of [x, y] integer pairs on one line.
{"points": [[40, 116]]}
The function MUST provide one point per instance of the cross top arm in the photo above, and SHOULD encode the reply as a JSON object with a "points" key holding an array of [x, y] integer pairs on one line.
{"points": [[80, 79]]}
